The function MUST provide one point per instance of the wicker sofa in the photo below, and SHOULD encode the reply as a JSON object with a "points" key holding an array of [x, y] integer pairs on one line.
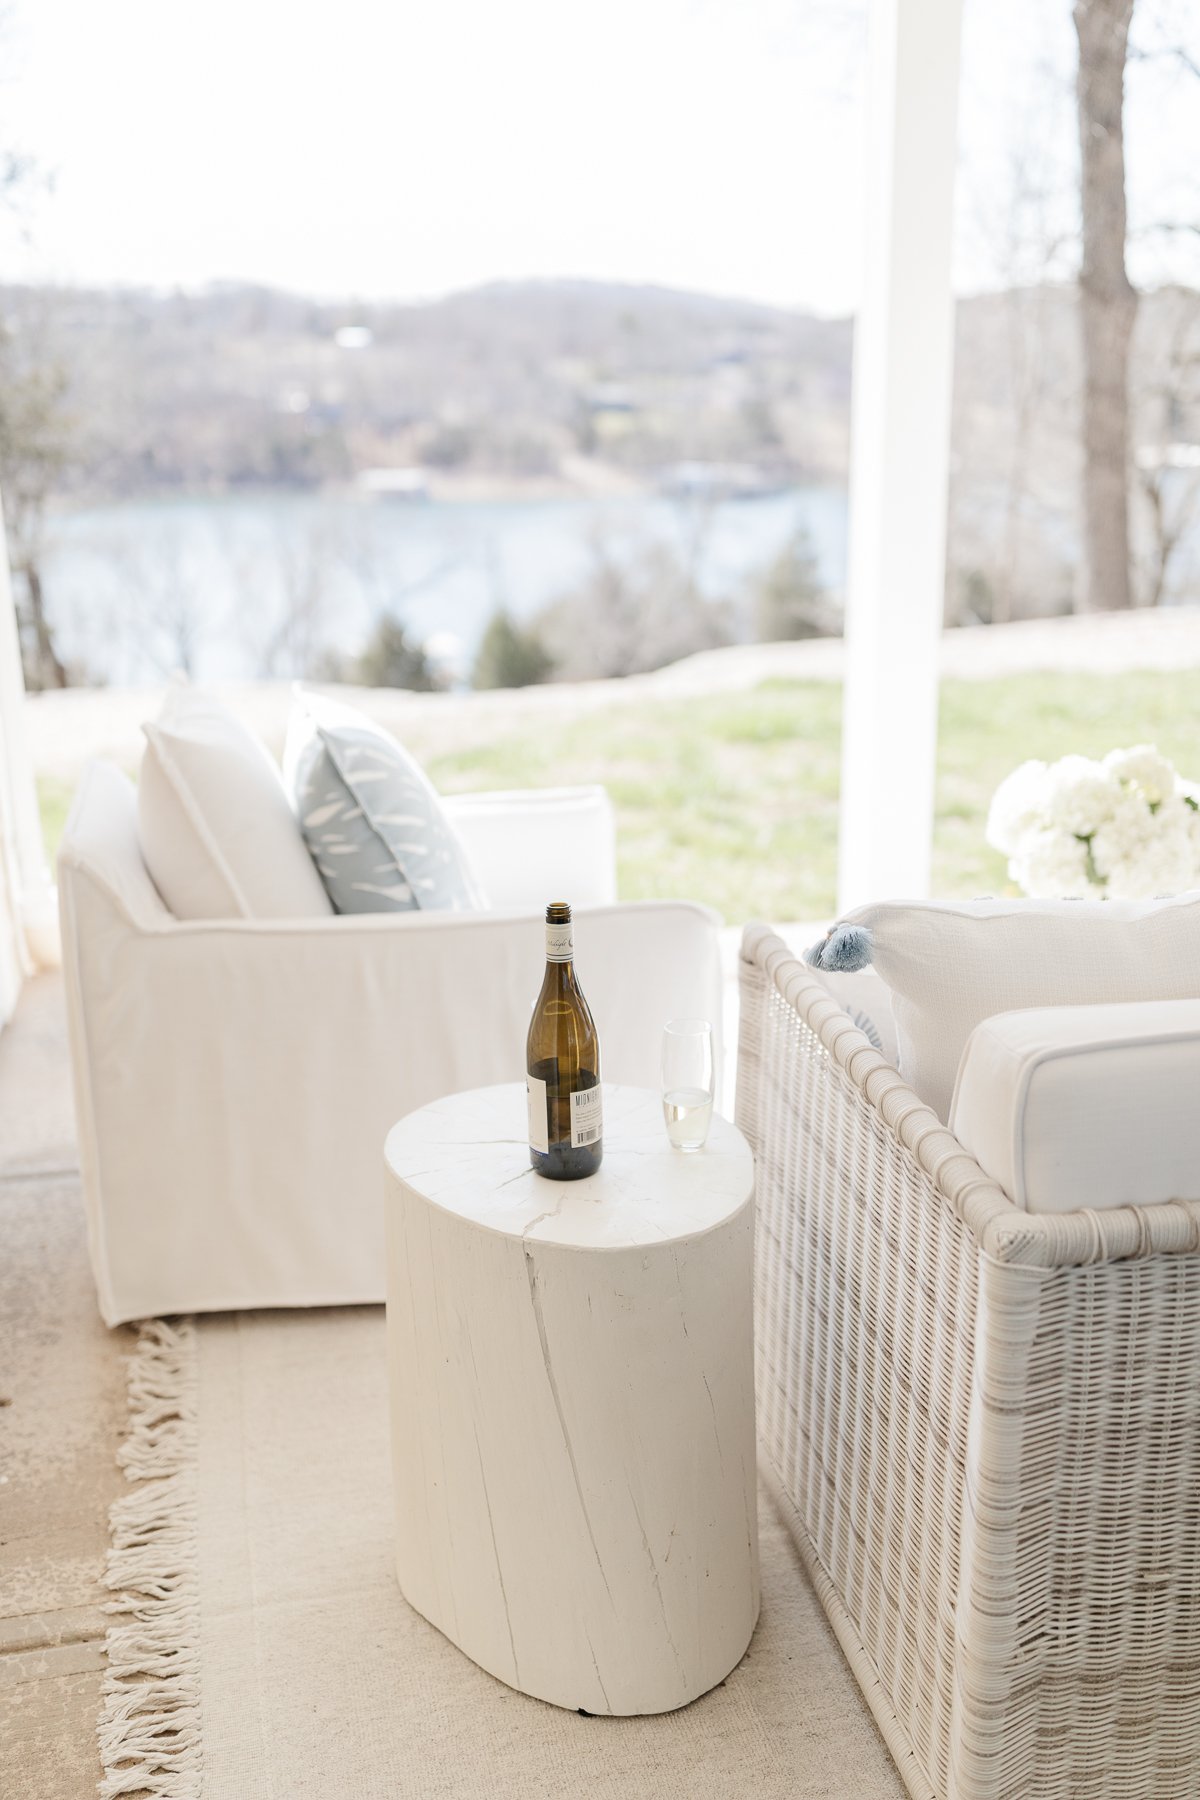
{"points": [[981, 1425]]}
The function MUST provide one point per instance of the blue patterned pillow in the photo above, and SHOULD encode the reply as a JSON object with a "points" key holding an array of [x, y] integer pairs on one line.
{"points": [[372, 821]]}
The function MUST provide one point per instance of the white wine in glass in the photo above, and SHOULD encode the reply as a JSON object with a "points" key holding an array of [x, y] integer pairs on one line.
{"points": [[687, 1070]]}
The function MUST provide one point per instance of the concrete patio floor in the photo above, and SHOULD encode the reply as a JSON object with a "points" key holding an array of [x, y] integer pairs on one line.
{"points": [[62, 1415]]}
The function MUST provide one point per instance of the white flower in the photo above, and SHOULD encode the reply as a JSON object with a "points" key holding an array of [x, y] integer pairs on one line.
{"points": [[1193, 828], [1143, 768], [1052, 865], [1188, 795], [1170, 867], [1016, 807], [1082, 795], [1126, 828], [1126, 834], [1143, 854]]}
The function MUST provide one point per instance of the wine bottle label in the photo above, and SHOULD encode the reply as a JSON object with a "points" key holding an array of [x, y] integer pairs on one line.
{"points": [[587, 1116], [539, 1117], [560, 944]]}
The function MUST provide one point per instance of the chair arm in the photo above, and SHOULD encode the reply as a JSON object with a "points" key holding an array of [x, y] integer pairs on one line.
{"points": [[873, 1091], [465, 981], [539, 844], [887, 1120], [100, 839]]}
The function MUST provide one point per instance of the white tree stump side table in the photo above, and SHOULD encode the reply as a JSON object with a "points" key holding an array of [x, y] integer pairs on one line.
{"points": [[572, 1401]]}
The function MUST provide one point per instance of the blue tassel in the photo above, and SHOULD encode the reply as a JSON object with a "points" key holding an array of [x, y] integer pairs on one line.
{"points": [[843, 949]]}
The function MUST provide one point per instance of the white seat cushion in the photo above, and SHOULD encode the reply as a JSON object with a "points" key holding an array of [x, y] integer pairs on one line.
{"points": [[1073, 1106], [951, 964], [214, 824]]}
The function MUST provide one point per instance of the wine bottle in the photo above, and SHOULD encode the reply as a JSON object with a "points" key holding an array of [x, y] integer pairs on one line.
{"points": [[562, 1061]]}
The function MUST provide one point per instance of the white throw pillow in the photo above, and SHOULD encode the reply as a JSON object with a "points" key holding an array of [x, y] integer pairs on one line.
{"points": [[1073, 1106], [951, 964], [214, 824]]}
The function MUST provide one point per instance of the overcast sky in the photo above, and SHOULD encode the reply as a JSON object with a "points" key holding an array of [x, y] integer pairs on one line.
{"points": [[407, 149]]}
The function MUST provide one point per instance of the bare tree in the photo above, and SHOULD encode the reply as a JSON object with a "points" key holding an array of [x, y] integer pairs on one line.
{"points": [[164, 605], [34, 433], [290, 639], [1168, 464], [1171, 492], [1108, 302], [999, 480], [35, 436], [790, 599], [378, 565], [638, 608], [1034, 245]]}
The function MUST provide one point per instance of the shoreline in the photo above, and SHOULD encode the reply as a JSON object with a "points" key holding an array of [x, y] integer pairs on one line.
{"points": [[596, 481]]}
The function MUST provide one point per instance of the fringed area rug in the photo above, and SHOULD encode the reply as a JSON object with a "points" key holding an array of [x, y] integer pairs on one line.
{"points": [[261, 1649]]}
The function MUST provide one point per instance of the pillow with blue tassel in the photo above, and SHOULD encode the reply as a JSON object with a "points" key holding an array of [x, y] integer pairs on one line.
{"points": [[952, 963]]}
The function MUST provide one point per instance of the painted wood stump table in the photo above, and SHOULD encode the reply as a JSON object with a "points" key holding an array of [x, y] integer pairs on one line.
{"points": [[572, 1401]]}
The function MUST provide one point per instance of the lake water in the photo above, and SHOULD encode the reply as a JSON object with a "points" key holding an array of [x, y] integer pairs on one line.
{"points": [[256, 585]]}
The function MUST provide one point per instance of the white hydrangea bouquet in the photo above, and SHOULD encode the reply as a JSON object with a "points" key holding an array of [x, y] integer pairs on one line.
{"points": [[1127, 828]]}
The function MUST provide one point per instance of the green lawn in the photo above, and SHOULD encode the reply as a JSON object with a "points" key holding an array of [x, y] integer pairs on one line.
{"points": [[54, 799], [732, 799]]}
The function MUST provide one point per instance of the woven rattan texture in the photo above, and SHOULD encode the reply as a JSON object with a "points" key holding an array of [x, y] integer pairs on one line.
{"points": [[987, 1429]]}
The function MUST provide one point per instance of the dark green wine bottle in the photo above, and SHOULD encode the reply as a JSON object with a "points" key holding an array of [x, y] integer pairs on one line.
{"points": [[562, 1061]]}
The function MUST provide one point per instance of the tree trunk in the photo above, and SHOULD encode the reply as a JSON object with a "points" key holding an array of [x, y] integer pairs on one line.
{"points": [[51, 671], [1108, 303]]}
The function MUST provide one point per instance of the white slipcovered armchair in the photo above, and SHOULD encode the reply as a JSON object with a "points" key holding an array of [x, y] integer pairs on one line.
{"points": [[234, 1079]]}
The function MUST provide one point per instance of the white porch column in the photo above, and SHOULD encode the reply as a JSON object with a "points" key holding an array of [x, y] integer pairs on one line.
{"points": [[25, 892], [903, 359]]}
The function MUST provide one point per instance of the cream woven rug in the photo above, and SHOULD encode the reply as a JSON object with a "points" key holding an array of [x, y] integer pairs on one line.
{"points": [[265, 1651]]}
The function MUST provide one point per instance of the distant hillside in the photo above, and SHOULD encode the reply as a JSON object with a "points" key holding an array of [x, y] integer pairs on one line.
{"points": [[574, 386], [525, 382]]}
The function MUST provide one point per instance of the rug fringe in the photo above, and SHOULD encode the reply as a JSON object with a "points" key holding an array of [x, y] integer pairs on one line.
{"points": [[149, 1727]]}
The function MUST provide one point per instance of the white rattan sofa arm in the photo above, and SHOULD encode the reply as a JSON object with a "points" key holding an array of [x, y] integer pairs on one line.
{"points": [[972, 1194], [1005, 1232], [1079, 1239]]}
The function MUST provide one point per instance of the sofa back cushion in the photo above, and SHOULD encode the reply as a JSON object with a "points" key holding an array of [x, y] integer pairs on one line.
{"points": [[216, 831], [378, 833], [525, 847], [951, 964], [1074, 1106]]}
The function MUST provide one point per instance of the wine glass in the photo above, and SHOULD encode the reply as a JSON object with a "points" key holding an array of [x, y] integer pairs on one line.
{"points": [[687, 1076]]}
